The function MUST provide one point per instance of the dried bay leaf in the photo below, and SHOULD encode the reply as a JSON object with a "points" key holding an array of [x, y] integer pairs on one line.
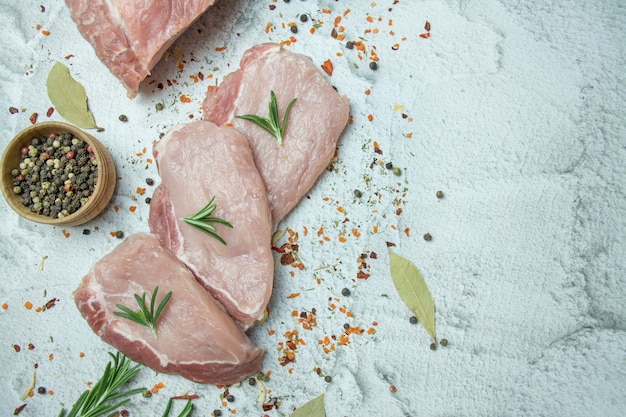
{"points": [[69, 97], [413, 291], [314, 408]]}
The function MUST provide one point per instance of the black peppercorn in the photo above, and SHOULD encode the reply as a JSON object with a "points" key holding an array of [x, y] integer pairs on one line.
{"points": [[345, 292], [123, 118], [230, 398], [294, 29], [413, 320], [328, 378], [303, 18], [373, 66]]}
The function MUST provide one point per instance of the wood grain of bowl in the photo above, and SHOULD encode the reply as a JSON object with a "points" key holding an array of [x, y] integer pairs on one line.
{"points": [[105, 180]]}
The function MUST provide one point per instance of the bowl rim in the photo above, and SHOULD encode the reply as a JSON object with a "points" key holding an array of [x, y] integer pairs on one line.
{"points": [[103, 179]]}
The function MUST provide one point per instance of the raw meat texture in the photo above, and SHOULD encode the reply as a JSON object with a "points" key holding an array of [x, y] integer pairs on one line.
{"points": [[197, 161], [130, 37], [196, 338], [315, 123]]}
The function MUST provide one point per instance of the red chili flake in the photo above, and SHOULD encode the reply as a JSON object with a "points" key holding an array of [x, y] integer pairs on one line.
{"points": [[17, 348], [425, 35], [13, 110], [427, 26], [390, 244], [362, 275], [42, 8], [50, 111], [124, 413], [327, 66], [50, 304], [373, 255], [19, 409], [287, 258], [33, 118], [398, 212], [69, 56], [31, 346]]}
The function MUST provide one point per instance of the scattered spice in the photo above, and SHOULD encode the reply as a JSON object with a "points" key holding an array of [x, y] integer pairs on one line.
{"points": [[428, 237], [443, 342], [19, 409], [327, 66], [439, 194]]}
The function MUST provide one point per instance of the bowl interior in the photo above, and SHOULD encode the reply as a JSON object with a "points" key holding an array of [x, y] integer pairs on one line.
{"points": [[105, 182]]}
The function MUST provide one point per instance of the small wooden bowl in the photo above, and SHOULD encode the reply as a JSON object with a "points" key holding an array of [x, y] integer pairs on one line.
{"points": [[105, 181]]}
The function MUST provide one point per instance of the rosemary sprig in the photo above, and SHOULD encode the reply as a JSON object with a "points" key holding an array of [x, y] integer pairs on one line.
{"points": [[186, 412], [271, 124], [145, 317], [202, 221], [97, 401]]}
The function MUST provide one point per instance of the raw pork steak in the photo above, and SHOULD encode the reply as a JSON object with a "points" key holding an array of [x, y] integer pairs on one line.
{"points": [[130, 37], [195, 338], [315, 123], [198, 161]]}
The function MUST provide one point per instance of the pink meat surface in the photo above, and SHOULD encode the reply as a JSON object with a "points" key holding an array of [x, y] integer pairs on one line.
{"points": [[198, 161], [130, 37], [195, 337], [315, 123]]}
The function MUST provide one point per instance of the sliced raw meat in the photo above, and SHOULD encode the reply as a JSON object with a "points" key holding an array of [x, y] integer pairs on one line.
{"points": [[130, 37], [315, 123], [198, 161], [195, 337]]}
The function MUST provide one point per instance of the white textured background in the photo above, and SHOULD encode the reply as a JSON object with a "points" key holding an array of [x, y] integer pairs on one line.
{"points": [[517, 113]]}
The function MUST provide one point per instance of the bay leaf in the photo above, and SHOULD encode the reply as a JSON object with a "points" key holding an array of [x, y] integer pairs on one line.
{"points": [[69, 97], [314, 408], [413, 291]]}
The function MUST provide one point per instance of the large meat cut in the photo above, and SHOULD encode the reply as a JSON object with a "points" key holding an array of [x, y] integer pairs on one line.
{"points": [[315, 123], [130, 37], [195, 337], [198, 161]]}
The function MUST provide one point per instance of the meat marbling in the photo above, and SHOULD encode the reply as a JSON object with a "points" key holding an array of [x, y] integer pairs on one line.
{"points": [[197, 161], [129, 37], [315, 123], [195, 339]]}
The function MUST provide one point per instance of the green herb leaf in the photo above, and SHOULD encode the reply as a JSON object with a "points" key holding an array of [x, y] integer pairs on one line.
{"points": [[202, 221], [271, 124], [145, 316], [69, 97], [103, 398], [413, 291], [186, 412], [314, 408]]}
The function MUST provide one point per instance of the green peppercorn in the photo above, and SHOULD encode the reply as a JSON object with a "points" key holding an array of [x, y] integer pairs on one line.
{"points": [[396, 171], [123, 118], [413, 320], [439, 194], [328, 378], [345, 292], [433, 346], [158, 106], [443, 342], [358, 193], [428, 237]]}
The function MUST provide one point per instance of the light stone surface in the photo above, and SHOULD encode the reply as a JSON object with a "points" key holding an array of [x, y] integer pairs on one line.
{"points": [[515, 110]]}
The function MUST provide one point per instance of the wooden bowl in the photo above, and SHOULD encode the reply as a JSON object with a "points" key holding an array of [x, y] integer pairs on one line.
{"points": [[105, 180]]}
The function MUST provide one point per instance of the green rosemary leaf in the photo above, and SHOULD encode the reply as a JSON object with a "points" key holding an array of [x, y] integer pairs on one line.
{"points": [[103, 397], [145, 317], [202, 221], [271, 124]]}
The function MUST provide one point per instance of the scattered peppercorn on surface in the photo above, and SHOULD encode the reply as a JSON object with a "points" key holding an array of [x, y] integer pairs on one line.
{"points": [[485, 145]]}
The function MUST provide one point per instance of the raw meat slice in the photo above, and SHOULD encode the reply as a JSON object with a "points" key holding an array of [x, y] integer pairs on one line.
{"points": [[315, 123], [130, 37], [195, 337], [198, 161]]}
